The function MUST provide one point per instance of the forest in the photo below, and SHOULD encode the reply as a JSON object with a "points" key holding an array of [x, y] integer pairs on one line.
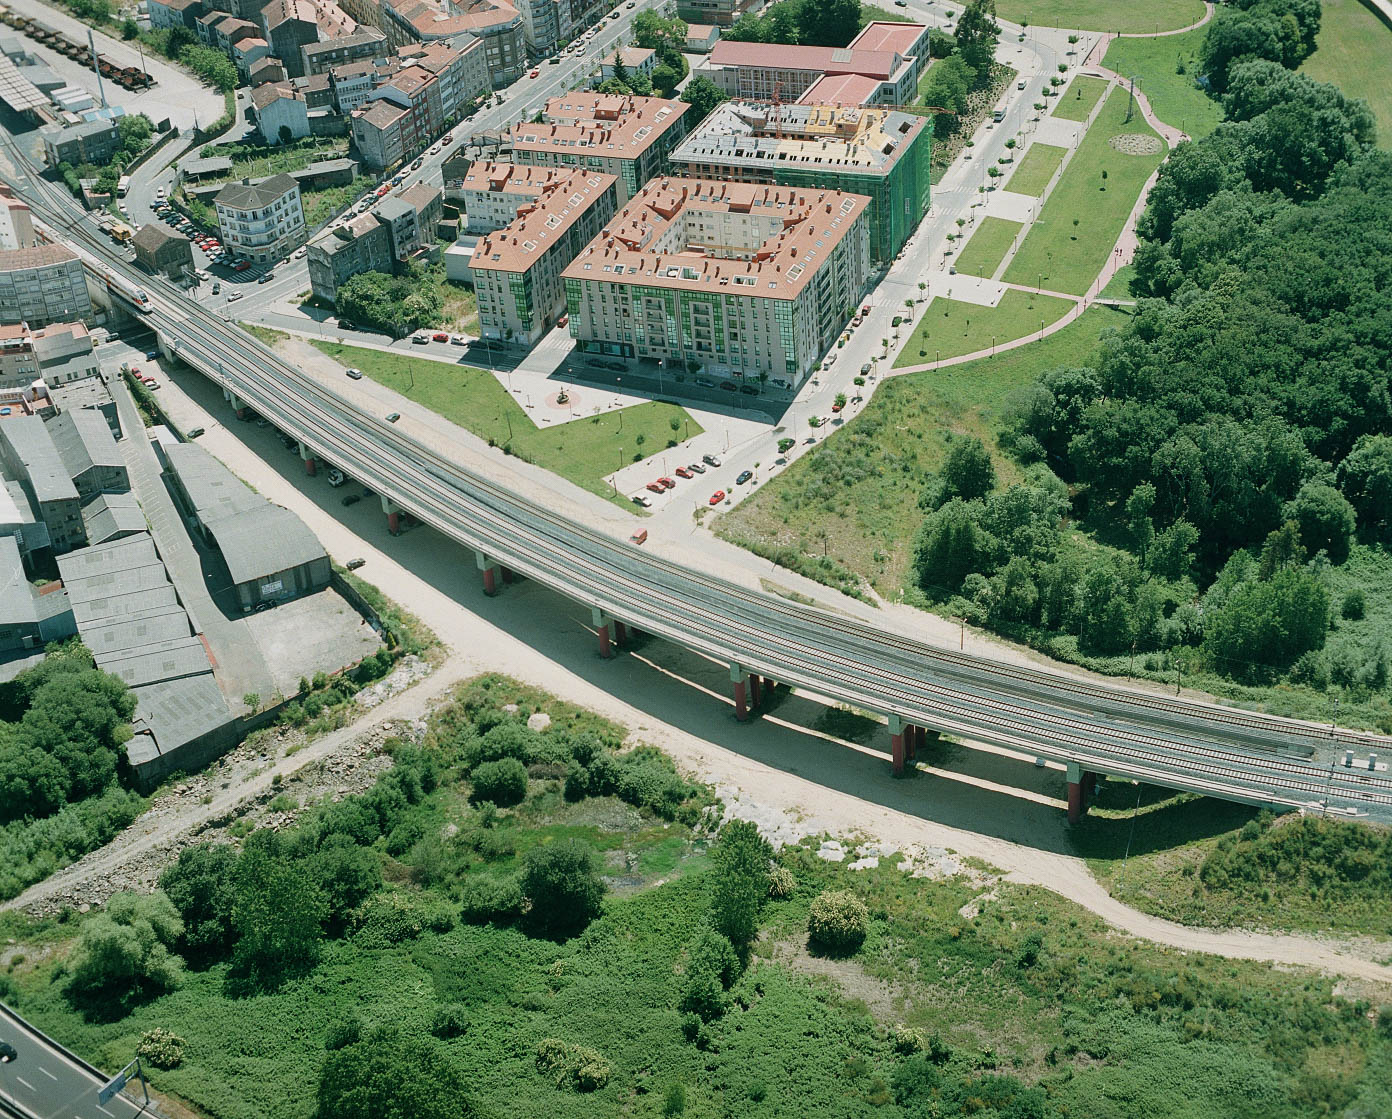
{"points": [[1191, 492]]}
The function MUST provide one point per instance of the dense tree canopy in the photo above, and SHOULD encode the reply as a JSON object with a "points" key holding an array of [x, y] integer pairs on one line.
{"points": [[387, 1076]]}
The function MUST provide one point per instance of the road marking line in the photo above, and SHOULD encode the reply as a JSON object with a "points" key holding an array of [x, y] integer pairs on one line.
{"points": [[46, 1072], [105, 1112], [21, 1080]]}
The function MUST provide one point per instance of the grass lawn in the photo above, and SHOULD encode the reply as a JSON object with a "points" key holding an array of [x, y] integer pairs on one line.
{"points": [[987, 247], [860, 486], [1352, 51], [583, 450], [1119, 286], [1174, 97], [1069, 256], [460, 315], [1078, 97], [267, 335], [950, 327], [1035, 170], [1103, 15], [320, 205], [870, 13]]}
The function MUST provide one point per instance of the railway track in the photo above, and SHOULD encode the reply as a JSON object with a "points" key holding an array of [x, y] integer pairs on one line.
{"points": [[1204, 747]]}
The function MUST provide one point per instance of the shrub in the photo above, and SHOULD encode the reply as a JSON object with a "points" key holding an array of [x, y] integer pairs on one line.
{"points": [[123, 955], [504, 782], [388, 918], [781, 883], [450, 1021], [674, 1100], [1353, 606], [907, 1040], [711, 966], [563, 886], [838, 921], [577, 1067], [342, 1033], [161, 1048], [741, 858]]}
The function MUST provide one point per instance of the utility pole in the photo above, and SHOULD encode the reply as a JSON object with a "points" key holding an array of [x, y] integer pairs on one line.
{"points": [[1131, 100], [101, 86]]}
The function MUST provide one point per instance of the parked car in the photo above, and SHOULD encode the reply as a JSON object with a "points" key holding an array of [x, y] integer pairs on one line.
{"points": [[717, 497], [684, 472], [217, 288], [266, 278], [710, 460], [642, 499], [351, 498], [864, 369], [696, 466], [420, 339], [301, 251], [535, 73], [346, 324], [729, 386], [354, 564], [194, 432], [439, 336], [234, 296], [656, 487], [392, 417], [667, 483], [336, 478], [749, 390], [459, 340], [241, 266], [744, 476], [354, 374], [564, 320]]}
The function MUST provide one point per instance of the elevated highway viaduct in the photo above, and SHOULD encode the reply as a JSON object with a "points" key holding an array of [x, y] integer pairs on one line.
{"points": [[1088, 728]]}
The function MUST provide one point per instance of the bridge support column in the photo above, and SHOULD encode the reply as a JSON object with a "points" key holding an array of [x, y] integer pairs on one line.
{"points": [[311, 463], [1081, 787], [920, 741], [393, 512], [601, 623], [238, 405], [620, 634], [739, 678], [756, 692], [490, 573], [897, 729]]}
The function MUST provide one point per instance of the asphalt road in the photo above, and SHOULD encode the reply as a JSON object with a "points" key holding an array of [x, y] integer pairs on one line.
{"points": [[45, 1081]]}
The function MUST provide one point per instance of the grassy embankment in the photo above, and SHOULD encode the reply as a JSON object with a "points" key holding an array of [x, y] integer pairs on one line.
{"points": [[582, 450], [855, 497], [1173, 96], [1035, 169], [1351, 52]]}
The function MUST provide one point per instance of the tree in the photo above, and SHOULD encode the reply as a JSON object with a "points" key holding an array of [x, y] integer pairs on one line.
{"points": [[1171, 554], [1325, 518], [741, 860], [1138, 510], [652, 31], [129, 29], [135, 130], [703, 95], [829, 23], [951, 545], [1366, 479], [977, 34], [562, 883], [665, 79], [1235, 34], [1267, 625], [949, 85], [386, 1076], [123, 955], [179, 38], [967, 471], [199, 884], [348, 875], [620, 70], [285, 135], [711, 966], [278, 912]]}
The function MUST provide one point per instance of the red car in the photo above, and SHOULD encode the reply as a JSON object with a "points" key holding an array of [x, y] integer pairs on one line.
{"points": [[534, 74], [836, 407], [241, 266], [717, 497], [439, 337], [667, 483], [683, 472], [656, 488]]}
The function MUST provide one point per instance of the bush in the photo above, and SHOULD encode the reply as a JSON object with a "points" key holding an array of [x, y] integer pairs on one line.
{"points": [[781, 883], [385, 1075], [123, 955], [741, 858], [838, 921], [450, 1021], [388, 918], [503, 782], [711, 966], [577, 1067], [562, 884], [200, 886], [1353, 607], [491, 899], [161, 1048], [342, 1033]]}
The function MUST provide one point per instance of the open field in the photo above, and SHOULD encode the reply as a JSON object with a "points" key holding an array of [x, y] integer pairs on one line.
{"points": [[1119, 286], [1070, 244], [1104, 15], [950, 327], [1352, 52], [856, 496], [987, 247], [583, 450], [962, 989], [1033, 172], [1079, 97], [1173, 96]]}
